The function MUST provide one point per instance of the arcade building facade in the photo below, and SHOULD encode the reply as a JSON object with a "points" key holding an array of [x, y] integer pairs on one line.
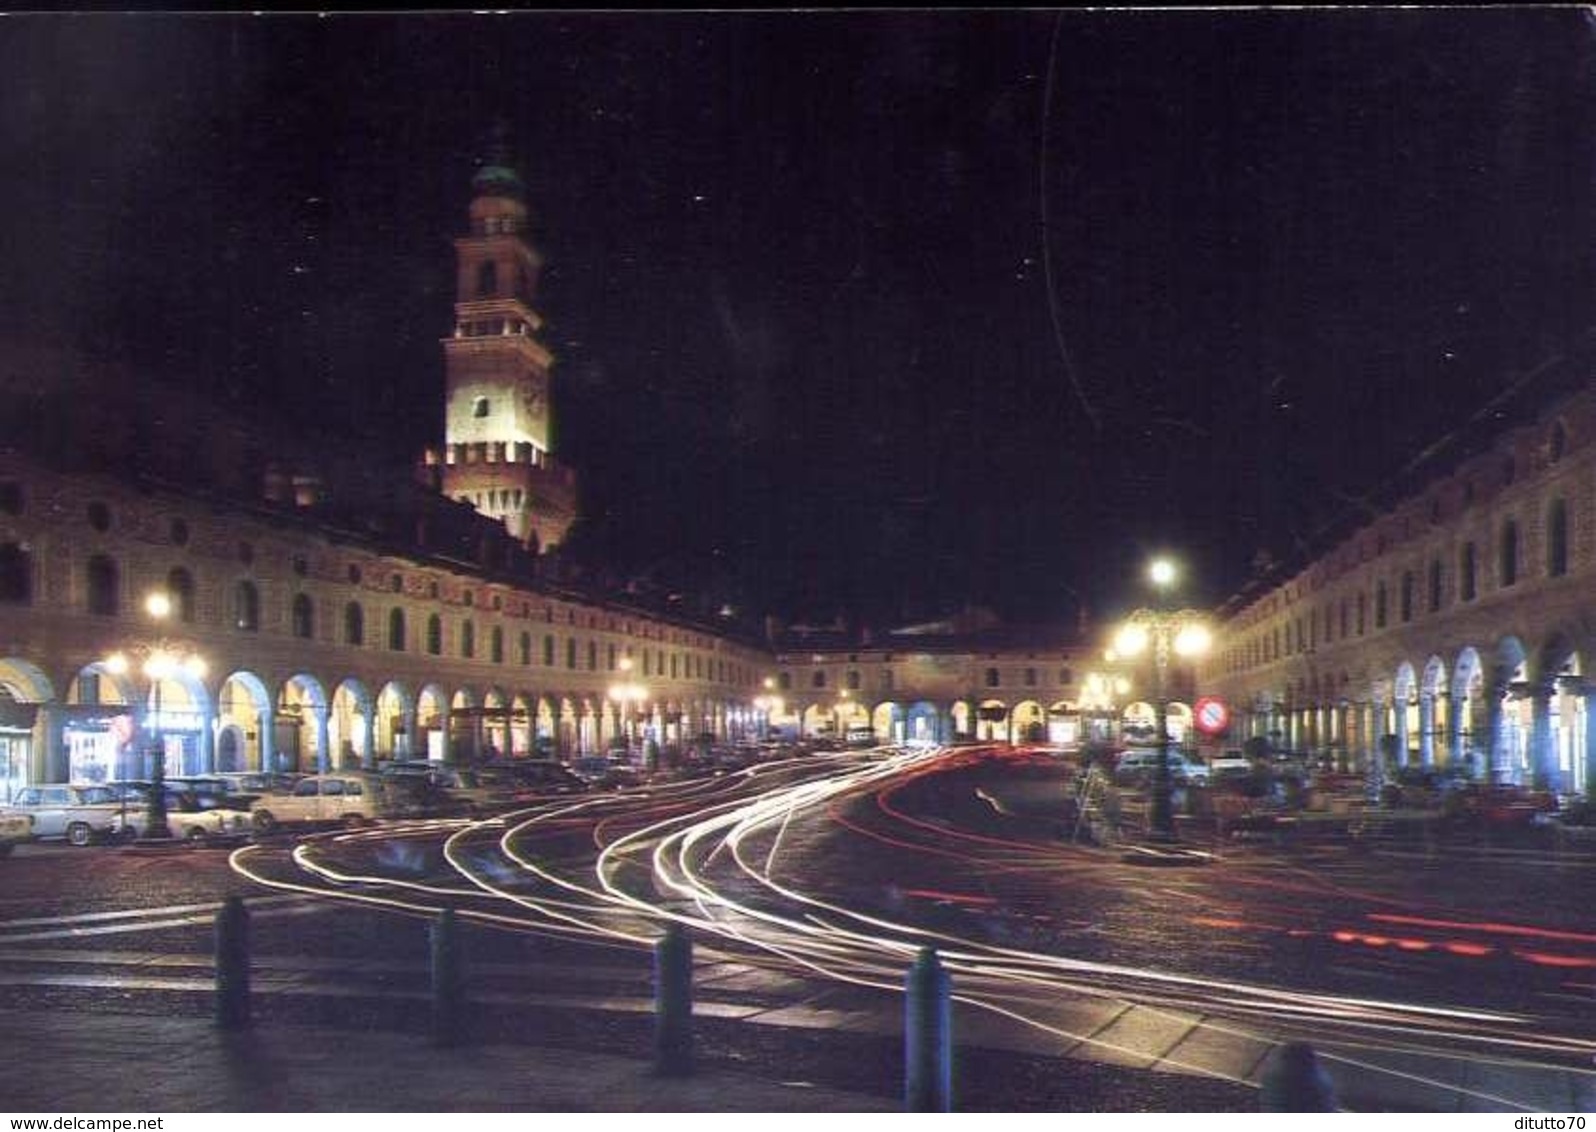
{"points": [[322, 613], [1454, 629]]}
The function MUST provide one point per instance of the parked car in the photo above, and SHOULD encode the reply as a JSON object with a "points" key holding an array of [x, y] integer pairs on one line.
{"points": [[213, 791], [187, 819], [351, 800], [80, 814], [529, 779], [1230, 768], [259, 781], [14, 830], [1498, 805], [1138, 766], [1420, 787], [430, 788], [606, 773]]}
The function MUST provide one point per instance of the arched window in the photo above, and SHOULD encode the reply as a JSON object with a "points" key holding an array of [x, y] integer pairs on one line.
{"points": [[1435, 585], [180, 589], [1379, 606], [818, 678], [496, 645], [396, 630], [435, 635], [487, 279], [104, 583], [1557, 539], [1467, 585], [548, 650], [468, 640], [853, 679], [246, 606], [1509, 552], [570, 655], [354, 624], [1407, 595], [16, 575], [991, 678], [304, 617], [525, 647]]}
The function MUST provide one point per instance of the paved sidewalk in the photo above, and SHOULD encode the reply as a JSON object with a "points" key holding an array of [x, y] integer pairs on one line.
{"points": [[63, 1062], [129, 1064]]}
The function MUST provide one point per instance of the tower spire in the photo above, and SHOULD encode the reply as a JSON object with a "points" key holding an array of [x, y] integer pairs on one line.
{"points": [[496, 172], [498, 452]]}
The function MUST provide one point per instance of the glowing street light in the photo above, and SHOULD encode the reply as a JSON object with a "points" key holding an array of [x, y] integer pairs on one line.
{"points": [[767, 705], [162, 660], [844, 711], [1161, 632], [1099, 695], [627, 695]]}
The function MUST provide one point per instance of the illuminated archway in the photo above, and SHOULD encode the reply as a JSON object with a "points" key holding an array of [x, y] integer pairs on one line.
{"points": [[432, 725], [923, 725], [1028, 722], [1469, 713], [299, 726], [992, 722], [349, 726], [395, 723], [1434, 711], [243, 731], [465, 728]]}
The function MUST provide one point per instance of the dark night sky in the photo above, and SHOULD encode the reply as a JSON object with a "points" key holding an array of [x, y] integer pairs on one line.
{"points": [[856, 312]]}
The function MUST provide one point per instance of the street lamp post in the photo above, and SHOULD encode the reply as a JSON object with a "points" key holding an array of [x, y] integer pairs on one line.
{"points": [[626, 694], [1162, 631], [767, 705], [162, 660], [1099, 694]]}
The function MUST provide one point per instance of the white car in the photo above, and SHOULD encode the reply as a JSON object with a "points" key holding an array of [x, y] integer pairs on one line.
{"points": [[1140, 766], [185, 823], [351, 800], [81, 814]]}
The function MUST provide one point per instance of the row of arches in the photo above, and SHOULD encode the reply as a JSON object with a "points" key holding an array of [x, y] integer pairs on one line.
{"points": [[983, 720], [1505, 714], [98, 723]]}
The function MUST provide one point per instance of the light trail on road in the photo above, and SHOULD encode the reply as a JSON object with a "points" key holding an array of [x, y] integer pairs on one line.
{"points": [[713, 855]]}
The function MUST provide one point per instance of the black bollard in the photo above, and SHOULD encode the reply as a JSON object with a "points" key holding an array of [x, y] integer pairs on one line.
{"points": [[928, 1036], [1296, 1082], [673, 1003], [232, 965], [448, 983]]}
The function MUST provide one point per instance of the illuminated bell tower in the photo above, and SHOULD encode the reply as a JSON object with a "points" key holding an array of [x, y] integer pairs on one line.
{"points": [[498, 452]]}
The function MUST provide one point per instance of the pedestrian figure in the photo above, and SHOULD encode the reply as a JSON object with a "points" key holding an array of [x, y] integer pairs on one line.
{"points": [[1296, 1082]]}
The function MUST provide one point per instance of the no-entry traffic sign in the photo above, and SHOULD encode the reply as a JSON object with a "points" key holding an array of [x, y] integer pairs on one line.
{"points": [[1210, 715]]}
